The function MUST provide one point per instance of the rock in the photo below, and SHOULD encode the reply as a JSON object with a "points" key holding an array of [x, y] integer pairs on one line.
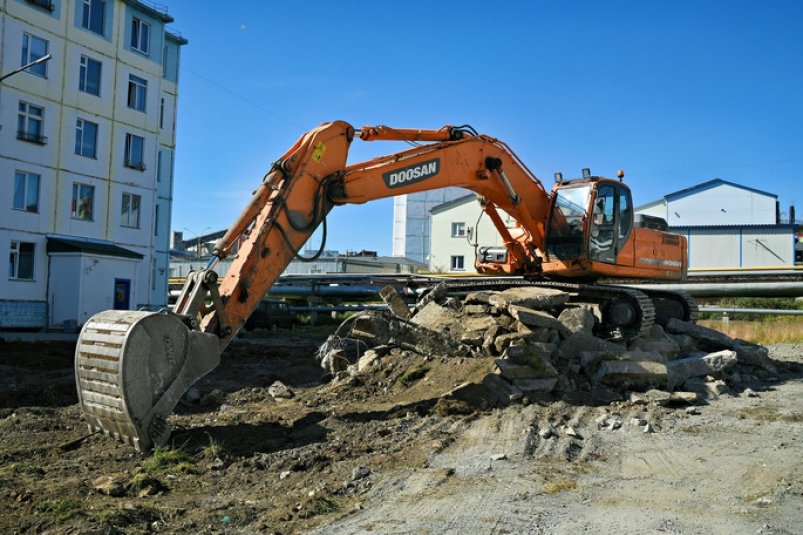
{"points": [[511, 371], [361, 472], [754, 355], [638, 422], [603, 394], [536, 386], [530, 297], [438, 318], [395, 303], [572, 432], [279, 390], [655, 340], [498, 457], [749, 392], [369, 358], [686, 344], [435, 294], [284, 475], [697, 366], [478, 323], [335, 361], [534, 357], [477, 310], [578, 320], [482, 298], [631, 374], [707, 339], [577, 343], [193, 395], [545, 432], [113, 485], [699, 386], [537, 318], [504, 391], [474, 338]]}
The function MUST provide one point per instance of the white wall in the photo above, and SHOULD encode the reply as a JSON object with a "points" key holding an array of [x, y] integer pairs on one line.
{"points": [[722, 205], [444, 245]]}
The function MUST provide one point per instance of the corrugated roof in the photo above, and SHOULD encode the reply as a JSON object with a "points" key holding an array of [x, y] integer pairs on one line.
{"points": [[713, 184], [455, 202], [729, 227]]}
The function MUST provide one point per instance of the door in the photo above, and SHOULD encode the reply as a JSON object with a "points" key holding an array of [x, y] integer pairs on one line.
{"points": [[611, 224], [122, 294]]}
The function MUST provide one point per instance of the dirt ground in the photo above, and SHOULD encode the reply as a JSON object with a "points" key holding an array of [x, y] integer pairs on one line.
{"points": [[383, 453]]}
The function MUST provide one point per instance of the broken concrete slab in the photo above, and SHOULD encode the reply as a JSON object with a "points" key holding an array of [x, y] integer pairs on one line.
{"points": [[753, 355], [438, 318], [574, 345], [504, 391], [395, 303], [535, 354], [698, 366], [657, 341], [530, 297], [578, 320], [537, 318], [536, 386], [707, 339], [476, 310], [631, 374]]}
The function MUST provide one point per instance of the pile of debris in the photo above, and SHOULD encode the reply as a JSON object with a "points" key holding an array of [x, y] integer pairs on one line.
{"points": [[541, 346]]}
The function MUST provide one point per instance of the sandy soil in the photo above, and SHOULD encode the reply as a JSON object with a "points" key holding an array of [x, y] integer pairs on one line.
{"points": [[380, 454]]}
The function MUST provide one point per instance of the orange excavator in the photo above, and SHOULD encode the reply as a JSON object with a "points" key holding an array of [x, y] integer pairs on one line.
{"points": [[132, 367]]}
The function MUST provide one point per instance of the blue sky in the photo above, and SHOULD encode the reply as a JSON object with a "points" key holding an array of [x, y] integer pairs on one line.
{"points": [[675, 93]]}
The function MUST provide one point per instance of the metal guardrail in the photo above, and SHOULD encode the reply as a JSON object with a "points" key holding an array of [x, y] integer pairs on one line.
{"points": [[768, 311]]}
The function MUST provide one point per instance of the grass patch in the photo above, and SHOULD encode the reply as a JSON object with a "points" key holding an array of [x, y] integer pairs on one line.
{"points": [[764, 331], [144, 484], [25, 469], [560, 485], [412, 376], [173, 460], [61, 509], [322, 506]]}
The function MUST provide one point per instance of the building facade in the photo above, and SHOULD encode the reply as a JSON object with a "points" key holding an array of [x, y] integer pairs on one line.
{"points": [[86, 158], [411, 231], [456, 226]]}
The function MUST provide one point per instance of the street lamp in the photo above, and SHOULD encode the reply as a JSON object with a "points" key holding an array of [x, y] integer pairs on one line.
{"points": [[46, 57], [197, 240]]}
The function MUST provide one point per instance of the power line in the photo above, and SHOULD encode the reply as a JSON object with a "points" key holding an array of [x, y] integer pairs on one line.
{"points": [[243, 98]]}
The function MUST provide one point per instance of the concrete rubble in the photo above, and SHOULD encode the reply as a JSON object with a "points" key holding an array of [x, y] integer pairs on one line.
{"points": [[541, 346]]}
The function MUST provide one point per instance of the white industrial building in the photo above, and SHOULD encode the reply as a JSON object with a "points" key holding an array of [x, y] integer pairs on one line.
{"points": [[728, 226], [86, 158]]}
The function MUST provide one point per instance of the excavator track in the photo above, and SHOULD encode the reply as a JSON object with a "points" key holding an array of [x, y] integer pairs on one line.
{"points": [[626, 312], [668, 305]]}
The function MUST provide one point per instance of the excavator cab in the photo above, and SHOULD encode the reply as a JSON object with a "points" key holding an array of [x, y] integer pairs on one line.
{"points": [[591, 219]]}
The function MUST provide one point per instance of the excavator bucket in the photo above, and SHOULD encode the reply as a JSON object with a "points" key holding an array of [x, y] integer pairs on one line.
{"points": [[131, 368]]}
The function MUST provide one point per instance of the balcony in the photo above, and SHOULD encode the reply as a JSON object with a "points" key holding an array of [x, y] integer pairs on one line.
{"points": [[139, 166], [47, 5], [31, 137]]}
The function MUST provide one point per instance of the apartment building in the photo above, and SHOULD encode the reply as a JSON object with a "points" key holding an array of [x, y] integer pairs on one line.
{"points": [[87, 142]]}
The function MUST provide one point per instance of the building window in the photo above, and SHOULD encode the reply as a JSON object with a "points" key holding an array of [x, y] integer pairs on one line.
{"points": [[162, 114], [86, 138], [34, 48], [137, 91], [93, 14], [44, 4], [83, 201], [129, 215], [20, 260], [140, 36], [156, 221], [30, 121], [457, 263], [26, 191], [458, 230], [134, 152], [89, 79]]}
